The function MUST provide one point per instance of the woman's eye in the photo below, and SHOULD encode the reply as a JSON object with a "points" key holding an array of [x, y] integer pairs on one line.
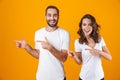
{"points": [[84, 24]]}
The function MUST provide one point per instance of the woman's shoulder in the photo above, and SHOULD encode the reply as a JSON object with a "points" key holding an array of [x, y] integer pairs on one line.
{"points": [[78, 42], [101, 39]]}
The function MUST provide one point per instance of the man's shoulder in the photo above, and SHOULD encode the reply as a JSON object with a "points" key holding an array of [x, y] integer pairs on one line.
{"points": [[63, 30], [40, 30]]}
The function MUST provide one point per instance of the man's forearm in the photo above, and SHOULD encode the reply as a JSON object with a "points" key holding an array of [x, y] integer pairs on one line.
{"points": [[60, 55], [31, 51]]}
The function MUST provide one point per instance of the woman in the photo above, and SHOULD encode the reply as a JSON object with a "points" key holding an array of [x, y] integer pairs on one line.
{"points": [[89, 49]]}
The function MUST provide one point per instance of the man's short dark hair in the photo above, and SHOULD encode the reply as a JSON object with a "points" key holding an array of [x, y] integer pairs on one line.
{"points": [[53, 7]]}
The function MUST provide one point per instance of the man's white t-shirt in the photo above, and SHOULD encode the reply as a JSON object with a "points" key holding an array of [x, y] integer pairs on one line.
{"points": [[91, 64], [49, 67]]}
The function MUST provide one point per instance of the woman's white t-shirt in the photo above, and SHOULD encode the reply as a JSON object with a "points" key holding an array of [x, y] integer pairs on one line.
{"points": [[91, 64]]}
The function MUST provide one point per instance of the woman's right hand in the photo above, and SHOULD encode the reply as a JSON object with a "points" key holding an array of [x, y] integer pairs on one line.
{"points": [[71, 53]]}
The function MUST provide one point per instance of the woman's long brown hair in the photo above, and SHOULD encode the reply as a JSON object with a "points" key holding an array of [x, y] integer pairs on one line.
{"points": [[95, 33]]}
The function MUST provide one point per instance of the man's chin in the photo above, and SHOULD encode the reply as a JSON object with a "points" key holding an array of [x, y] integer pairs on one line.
{"points": [[52, 25]]}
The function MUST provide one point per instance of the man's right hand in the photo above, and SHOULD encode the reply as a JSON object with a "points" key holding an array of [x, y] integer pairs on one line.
{"points": [[21, 43]]}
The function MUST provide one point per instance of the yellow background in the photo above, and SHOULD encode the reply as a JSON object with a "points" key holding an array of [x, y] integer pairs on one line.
{"points": [[19, 19]]}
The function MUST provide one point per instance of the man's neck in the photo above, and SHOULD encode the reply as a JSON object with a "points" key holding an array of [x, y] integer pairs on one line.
{"points": [[50, 29]]}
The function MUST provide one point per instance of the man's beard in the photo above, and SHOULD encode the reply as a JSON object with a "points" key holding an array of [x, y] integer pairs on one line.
{"points": [[52, 25]]}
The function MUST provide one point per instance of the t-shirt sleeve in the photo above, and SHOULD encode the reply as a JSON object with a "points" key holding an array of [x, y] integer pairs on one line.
{"points": [[77, 46], [65, 41], [102, 42], [37, 44]]}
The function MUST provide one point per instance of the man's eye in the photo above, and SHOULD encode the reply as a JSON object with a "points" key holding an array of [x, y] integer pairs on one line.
{"points": [[49, 15]]}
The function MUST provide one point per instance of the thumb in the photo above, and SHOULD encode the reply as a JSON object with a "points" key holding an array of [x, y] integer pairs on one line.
{"points": [[16, 41], [70, 53]]}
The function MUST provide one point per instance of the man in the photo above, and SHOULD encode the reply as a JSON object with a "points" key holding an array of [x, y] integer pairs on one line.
{"points": [[51, 45]]}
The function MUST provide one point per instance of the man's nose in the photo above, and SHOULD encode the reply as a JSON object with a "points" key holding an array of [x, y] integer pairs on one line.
{"points": [[52, 17]]}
